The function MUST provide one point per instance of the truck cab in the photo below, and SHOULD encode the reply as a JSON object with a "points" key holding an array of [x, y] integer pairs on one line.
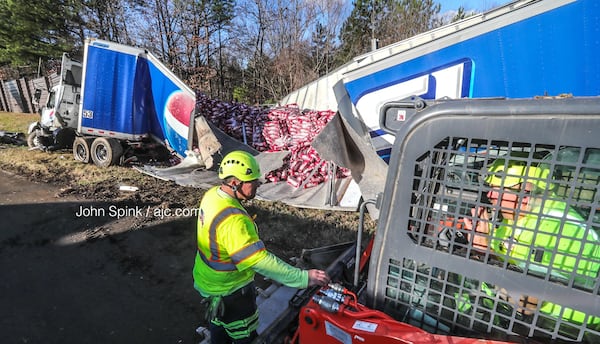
{"points": [[59, 114]]}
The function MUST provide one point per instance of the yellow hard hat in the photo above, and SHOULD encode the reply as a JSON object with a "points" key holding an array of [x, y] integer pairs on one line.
{"points": [[508, 173], [239, 164]]}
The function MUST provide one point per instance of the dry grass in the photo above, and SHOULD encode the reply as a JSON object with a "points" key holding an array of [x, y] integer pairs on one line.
{"points": [[60, 167], [16, 122], [55, 167]]}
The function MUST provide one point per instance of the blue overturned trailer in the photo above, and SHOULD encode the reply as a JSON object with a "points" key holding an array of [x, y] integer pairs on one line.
{"points": [[523, 49], [127, 101]]}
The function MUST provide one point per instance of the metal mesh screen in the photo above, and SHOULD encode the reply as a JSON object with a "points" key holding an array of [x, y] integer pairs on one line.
{"points": [[525, 211]]}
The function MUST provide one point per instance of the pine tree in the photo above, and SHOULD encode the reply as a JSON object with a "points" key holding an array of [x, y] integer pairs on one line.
{"points": [[30, 30], [358, 29], [387, 22]]}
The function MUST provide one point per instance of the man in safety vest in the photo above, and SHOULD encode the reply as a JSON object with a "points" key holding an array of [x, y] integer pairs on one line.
{"points": [[542, 236], [230, 253]]}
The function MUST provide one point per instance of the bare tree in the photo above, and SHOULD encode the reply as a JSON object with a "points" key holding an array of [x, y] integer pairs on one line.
{"points": [[289, 41], [160, 29], [329, 20], [107, 19], [284, 56], [251, 26], [197, 36], [175, 31]]}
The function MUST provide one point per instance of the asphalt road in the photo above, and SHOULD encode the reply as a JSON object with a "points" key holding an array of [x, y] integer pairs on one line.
{"points": [[68, 278]]}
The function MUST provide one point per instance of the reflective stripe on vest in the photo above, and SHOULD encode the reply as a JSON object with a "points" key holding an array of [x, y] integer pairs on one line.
{"points": [[247, 251], [215, 261]]}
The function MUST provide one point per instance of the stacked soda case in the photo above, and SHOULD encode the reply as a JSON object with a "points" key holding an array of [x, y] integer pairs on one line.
{"points": [[292, 129], [284, 128]]}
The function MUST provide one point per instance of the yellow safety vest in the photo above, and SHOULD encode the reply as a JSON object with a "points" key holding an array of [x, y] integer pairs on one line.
{"points": [[557, 245], [228, 245]]}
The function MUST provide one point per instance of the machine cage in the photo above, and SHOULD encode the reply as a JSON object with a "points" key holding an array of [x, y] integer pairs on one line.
{"points": [[534, 278]]}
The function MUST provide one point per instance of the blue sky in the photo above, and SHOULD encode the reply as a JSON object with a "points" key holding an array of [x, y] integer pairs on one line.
{"points": [[477, 5]]}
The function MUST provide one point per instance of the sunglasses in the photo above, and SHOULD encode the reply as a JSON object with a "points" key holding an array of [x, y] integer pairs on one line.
{"points": [[255, 181]]}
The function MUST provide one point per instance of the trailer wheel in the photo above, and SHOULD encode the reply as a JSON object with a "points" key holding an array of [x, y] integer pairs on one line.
{"points": [[81, 149], [33, 140], [106, 152]]}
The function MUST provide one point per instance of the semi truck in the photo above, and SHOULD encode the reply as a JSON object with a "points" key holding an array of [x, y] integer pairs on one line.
{"points": [[421, 277], [60, 108], [119, 102]]}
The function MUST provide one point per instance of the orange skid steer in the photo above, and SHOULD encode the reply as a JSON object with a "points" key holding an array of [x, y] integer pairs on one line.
{"points": [[334, 315]]}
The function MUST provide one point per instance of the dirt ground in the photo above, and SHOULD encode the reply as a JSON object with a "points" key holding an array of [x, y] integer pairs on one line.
{"points": [[95, 279], [92, 264]]}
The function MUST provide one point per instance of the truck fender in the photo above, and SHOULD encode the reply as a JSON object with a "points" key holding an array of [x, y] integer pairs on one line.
{"points": [[32, 127]]}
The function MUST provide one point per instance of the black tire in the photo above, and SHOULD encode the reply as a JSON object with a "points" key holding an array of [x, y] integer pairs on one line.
{"points": [[81, 149], [106, 152], [33, 140]]}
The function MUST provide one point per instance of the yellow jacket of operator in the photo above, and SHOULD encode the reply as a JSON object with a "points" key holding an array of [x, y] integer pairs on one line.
{"points": [[228, 245], [230, 251]]}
